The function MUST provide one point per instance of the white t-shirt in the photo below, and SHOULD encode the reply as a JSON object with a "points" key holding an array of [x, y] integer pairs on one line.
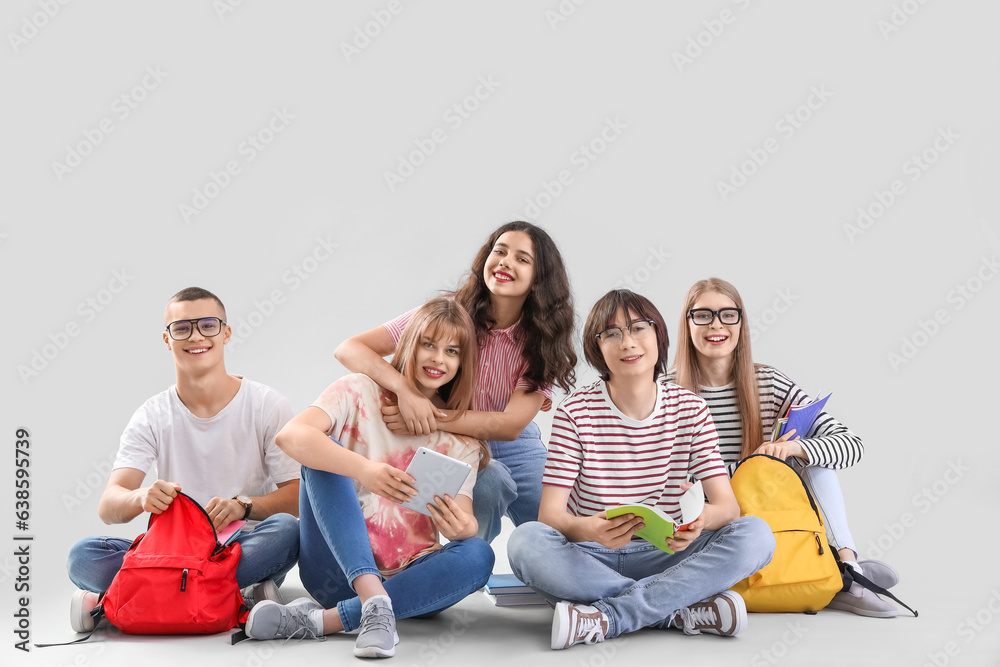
{"points": [[230, 453]]}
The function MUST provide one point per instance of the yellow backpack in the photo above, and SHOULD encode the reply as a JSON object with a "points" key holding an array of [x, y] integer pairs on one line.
{"points": [[804, 574]]}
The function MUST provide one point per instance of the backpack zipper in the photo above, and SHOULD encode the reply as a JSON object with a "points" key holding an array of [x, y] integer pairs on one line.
{"points": [[819, 544], [184, 580]]}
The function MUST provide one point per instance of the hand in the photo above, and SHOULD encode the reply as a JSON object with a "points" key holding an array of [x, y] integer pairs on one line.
{"points": [[612, 533], [452, 521], [384, 480], [683, 538], [783, 447], [411, 412], [223, 511], [158, 497]]}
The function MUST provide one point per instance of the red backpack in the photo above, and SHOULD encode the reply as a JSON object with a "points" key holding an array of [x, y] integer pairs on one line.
{"points": [[176, 578]]}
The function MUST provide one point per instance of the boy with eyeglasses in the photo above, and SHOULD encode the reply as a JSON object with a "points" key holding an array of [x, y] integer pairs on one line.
{"points": [[211, 436]]}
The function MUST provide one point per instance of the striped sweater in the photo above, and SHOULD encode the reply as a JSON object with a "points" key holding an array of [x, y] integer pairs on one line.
{"points": [[607, 458], [828, 443]]}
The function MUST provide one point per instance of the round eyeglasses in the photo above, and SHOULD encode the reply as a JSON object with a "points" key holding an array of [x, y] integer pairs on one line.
{"points": [[638, 330]]}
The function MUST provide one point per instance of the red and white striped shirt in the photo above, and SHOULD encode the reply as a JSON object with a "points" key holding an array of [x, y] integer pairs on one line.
{"points": [[609, 459], [501, 365]]}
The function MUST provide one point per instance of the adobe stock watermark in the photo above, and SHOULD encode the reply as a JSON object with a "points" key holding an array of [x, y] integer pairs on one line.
{"points": [[31, 26], [86, 312], [455, 116], [224, 7], [365, 33], [786, 126], [767, 317], [958, 298], [912, 169], [779, 648], [89, 483], [580, 161], [899, 16], [923, 502], [294, 277], [562, 12], [121, 108], [655, 260], [968, 629], [712, 29], [246, 152]]}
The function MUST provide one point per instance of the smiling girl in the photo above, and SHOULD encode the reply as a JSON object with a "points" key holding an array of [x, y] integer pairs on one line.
{"points": [[371, 562], [518, 296], [747, 399]]}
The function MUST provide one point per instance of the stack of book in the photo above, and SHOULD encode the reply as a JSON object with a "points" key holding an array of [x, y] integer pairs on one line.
{"points": [[506, 590]]}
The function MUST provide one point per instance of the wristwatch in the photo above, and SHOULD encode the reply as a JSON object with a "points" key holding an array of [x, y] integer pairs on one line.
{"points": [[246, 503]]}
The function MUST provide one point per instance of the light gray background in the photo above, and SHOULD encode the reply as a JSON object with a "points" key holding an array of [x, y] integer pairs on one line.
{"points": [[653, 192]]}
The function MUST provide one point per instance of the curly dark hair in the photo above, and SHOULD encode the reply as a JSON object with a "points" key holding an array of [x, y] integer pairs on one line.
{"points": [[547, 314]]}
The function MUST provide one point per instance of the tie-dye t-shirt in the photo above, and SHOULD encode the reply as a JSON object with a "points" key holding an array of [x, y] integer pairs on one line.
{"points": [[398, 536]]}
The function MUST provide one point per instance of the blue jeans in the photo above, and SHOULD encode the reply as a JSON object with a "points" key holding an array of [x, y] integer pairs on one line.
{"points": [[511, 484], [335, 550], [269, 552], [638, 585]]}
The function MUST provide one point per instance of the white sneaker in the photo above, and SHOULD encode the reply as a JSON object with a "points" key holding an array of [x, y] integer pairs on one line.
{"points": [[270, 620], [723, 614], [576, 623], [377, 637], [866, 604], [80, 606], [264, 590]]}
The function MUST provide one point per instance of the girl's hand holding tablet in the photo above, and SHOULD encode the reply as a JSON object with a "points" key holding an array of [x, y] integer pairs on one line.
{"points": [[453, 522], [384, 480]]}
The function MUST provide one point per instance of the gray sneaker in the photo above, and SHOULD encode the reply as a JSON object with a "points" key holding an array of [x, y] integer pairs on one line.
{"points": [[866, 604], [879, 573], [265, 590], [377, 637], [270, 620]]}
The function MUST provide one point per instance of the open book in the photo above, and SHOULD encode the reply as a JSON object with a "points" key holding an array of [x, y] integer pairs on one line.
{"points": [[658, 526], [801, 418]]}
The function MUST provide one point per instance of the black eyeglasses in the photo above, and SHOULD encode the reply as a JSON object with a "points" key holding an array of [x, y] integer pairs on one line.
{"points": [[638, 330], [705, 316], [207, 326]]}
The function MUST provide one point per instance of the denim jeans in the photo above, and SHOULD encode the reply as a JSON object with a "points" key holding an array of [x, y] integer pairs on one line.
{"points": [[511, 484], [334, 550], [269, 552], [638, 585], [825, 489]]}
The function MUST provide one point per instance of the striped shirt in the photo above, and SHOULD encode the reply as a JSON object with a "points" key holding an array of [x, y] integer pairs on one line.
{"points": [[609, 459], [501, 365], [828, 443]]}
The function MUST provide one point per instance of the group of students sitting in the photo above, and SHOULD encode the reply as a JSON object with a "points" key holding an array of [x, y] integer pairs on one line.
{"points": [[469, 372]]}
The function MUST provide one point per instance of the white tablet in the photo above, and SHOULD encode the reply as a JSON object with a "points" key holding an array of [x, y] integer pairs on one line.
{"points": [[435, 475]]}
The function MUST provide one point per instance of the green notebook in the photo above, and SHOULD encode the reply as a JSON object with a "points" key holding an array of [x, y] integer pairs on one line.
{"points": [[659, 527]]}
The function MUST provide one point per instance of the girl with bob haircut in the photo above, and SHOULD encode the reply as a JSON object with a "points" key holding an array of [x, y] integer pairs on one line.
{"points": [[747, 399], [363, 555], [518, 295], [631, 438]]}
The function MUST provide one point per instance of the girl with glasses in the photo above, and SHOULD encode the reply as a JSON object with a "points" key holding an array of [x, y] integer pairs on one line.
{"points": [[747, 399], [518, 295], [363, 555]]}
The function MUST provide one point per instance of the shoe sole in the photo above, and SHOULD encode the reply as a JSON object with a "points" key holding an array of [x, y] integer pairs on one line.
{"points": [[558, 641], [250, 618], [376, 652], [76, 616], [862, 611], [878, 571]]}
